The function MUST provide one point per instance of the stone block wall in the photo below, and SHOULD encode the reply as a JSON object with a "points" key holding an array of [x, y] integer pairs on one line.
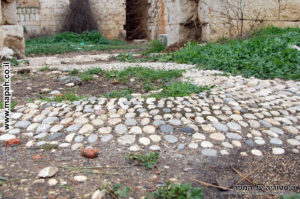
{"points": [[47, 17], [110, 16], [219, 18], [213, 19], [11, 34]]}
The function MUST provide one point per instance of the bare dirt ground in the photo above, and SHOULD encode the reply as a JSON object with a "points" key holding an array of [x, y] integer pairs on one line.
{"points": [[29, 86], [20, 169]]}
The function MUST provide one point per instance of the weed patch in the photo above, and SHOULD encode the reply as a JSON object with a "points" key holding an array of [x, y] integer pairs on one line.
{"points": [[149, 160], [155, 47], [177, 191], [116, 191], [73, 42], [13, 104], [180, 89], [46, 68], [69, 96], [267, 54]]}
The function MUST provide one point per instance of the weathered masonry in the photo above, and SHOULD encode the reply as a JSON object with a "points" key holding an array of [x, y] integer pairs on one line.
{"points": [[179, 20], [11, 35]]}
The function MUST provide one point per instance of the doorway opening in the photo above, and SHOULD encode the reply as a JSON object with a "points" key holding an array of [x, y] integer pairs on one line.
{"points": [[136, 19]]}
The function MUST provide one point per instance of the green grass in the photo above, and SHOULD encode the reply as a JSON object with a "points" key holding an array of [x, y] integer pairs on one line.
{"points": [[13, 104], [177, 191], [148, 77], [72, 42], [46, 68], [149, 160], [155, 47], [74, 72], [88, 75], [266, 54], [69, 96], [180, 89], [296, 196]]}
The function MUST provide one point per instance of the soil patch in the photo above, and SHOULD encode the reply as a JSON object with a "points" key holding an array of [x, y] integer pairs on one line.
{"points": [[20, 170]]}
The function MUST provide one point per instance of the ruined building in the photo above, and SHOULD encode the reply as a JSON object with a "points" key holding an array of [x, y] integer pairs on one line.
{"points": [[177, 20]]}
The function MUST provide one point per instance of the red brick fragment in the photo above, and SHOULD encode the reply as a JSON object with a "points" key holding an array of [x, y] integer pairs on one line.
{"points": [[36, 157], [15, 141], [90, 153]]}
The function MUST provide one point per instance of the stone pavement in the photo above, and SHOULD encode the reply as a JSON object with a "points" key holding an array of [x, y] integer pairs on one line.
{"points": [[251, 116]]}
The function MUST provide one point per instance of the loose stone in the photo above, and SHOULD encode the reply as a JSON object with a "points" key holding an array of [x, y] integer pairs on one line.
{"points": [[166, 129], [233, 126], [209, 152], [293, 142], [155, 138], [206, 144], [158, 122], [135, 130], [22, 124], [54, 136], [80, 178], [217, 136], [187, 130], [144, 141], [236, 143], [126, 140], [275, 141], [199, 136], [76, 146], [78, 138], [278, 151], [256, 152], [86, 129], [56, 128], [97, 122], [14, 131], [193, 145], [233, 136], [107, 138], [43, 128], [6, 137], [171, 139], [73, 128], [220, 127], [92, 138], [105, 130], [121, 129], [208, 128], [135, 147], [131, 122], [175, 122], [154, 148]]}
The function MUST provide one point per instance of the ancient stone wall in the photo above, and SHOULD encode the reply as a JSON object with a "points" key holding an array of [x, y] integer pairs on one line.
{"points": [[229, 18], [111, 17], [181, 20], [47, 17], [11, 34]]}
